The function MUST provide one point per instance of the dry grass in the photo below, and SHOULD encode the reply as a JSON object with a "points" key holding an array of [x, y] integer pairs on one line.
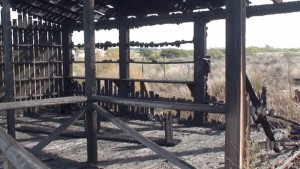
{"points": [[273, 70]]}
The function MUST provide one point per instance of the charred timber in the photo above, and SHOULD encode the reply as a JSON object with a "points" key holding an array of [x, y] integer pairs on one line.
{"points": [[138, 80], [8, 61], [145, 141], [258, 10], [17, 155], [41, 103], [161, 104], [54, 135]]}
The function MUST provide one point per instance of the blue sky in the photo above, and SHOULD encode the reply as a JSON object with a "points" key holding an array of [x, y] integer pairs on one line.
{"points": [[280, 31]]}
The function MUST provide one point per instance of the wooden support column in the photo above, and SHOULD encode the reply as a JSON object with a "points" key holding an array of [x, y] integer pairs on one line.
{"points": [[8, 65], [199, 72], [67, 62], [235, 84], [90, 79], [124, 56], [67, 57]]}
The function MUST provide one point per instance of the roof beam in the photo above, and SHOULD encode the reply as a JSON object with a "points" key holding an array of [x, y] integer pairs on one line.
{"points": [[49, 8], [21, 6], [259, 10]]}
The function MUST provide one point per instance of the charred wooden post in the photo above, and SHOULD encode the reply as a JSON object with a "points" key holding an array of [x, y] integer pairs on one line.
{"points": [[124, 56], [67, 62], [8, 62], [151, 110], [198, 91], [90, 79], [169, 129], [235, 84]]}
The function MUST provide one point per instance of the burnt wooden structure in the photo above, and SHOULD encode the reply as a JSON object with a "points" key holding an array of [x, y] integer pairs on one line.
{"points": [[36, 63]]}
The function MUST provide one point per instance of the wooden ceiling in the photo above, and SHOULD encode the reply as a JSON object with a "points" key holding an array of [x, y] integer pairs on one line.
{"points": [[59, 11]]}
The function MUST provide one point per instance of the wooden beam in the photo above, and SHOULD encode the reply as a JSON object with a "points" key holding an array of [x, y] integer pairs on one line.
{"points": [[145, 141], [160, 104], [67, 58], [158, 63], [198, 91], [17, 155], [90, 79], [8, 62], [258, 10], [41, 103], [138, 80], [37, 148], [124, 57], [235, 106]]}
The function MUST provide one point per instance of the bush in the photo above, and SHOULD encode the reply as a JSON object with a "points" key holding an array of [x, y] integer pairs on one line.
{"points": [[291, 54], [252, 51], [149, 54], [176, 53], [216, 53]]}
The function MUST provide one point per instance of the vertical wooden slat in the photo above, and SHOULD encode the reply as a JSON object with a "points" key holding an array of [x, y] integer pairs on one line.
{"points": [[35, 56], [48, 65], [31, 56], [38, 58], [59, 65], [151, 93], [16, 58], [21, 57], [26, 55], [50, 59], [142, 96], [106, 92], [110, 91]]}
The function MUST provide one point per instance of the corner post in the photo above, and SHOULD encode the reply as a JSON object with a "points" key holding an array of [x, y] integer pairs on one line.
{"points": [[235, 84], [198, 91], [8, 68], [90, 79]]}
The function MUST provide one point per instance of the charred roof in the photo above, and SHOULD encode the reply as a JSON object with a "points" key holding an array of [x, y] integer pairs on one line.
{"points": [[59, 11]]}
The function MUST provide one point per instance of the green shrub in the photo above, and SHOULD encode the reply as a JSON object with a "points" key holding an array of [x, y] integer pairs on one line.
{"points": [[252, 51], [216, 53], [291, 54], [149, 54], [175, 53]]}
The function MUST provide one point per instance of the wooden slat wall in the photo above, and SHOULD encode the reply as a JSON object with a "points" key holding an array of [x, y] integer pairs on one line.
{"points": [[138, 90], [37, 50]]}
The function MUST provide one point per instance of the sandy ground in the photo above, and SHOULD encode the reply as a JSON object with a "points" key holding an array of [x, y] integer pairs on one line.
{"points": [[200, 147]]}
